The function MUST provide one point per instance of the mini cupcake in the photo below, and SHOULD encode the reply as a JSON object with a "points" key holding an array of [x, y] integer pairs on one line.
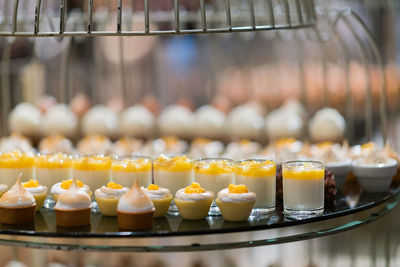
{"points": [[135, 210], [63, 186], [3, 189], [107, 198], [55, 144], [193, 202], [236, 202], [17, 206], [161, 198], [39, 192], [73, 207]]}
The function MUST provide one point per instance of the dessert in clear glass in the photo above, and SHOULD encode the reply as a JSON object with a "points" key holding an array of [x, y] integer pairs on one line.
{"points": [[303, 189], [14, 163], [174, 173], [92, 170], [127, 169], [260, 177], [215, 174]]}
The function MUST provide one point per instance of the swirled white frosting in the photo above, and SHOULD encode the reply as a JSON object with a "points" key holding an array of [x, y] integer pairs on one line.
{"points": [[135, 201], [39, 190], [225, 196], [156, 194], [181, 195], [57, 189], [73, 199], [105, 192], [17, 197]]}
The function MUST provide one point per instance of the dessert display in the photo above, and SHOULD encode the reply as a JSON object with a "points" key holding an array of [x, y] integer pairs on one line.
{"points": [[53, 168], [95, 144], [165, 145], [137, 121], [242, 149], [95, 171], [327, 125], [135, 210], [60, 187], [176, 120], [209, 122], [303, 188], [205, 148], [236, 202], [161, 198], [107, 198], [60, 120], [15, 142], [126, 146], [244, 122], [25, 119], [55, 144], [100, 120], [193, 202], [73, 207], [127, 169], [3, 189], [374, 172], [14, 163], [17, 205], [39, 192], [259, 176]]}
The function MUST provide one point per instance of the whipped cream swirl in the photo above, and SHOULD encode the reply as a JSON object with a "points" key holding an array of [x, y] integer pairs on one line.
{"points": [[157, 194], [39, 190], [135, 201], [181, 195], [106, 192], [225, 196], [17, 197], [57, 189]]}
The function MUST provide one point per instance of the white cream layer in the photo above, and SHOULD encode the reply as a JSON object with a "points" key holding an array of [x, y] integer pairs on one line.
{"points": [[156, 194], [181, 195], [109, 193], [225, 196]]}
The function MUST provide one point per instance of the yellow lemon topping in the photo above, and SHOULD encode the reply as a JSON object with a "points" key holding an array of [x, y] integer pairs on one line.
{"points": [[113, 185], [238, 189], [285, 141], [175, 164], [93, 163], [16, 159], [199, 141], [368, 146], [304, 174], [67, 184], [132, 165], [214, 167], [194, 188], [326, 144], [31, 183], [56, 161], [153, 187], [255, 168], [244, 142], [170, 141]]}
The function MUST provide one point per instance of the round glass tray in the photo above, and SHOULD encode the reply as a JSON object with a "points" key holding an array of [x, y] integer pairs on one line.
{"points": [[351, 209]]}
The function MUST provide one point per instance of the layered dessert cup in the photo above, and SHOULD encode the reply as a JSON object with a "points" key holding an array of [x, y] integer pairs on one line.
{"points": [[127, 169], [303, 189], [214, 174], [92, 170], [107, 198], [259, 176], [174, 173], [13, 164]]}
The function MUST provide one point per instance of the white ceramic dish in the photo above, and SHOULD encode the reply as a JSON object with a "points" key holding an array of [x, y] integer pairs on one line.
{"points": [[375, 178], [340, 170]]}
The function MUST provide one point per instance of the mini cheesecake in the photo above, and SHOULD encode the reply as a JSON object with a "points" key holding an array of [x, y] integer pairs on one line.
{"points": [[73, 207], [193, 202], [161, 198], [107, 198], [17, 205], [135, 210], [63, 186], [236, 202], [125, 170], [12, 164], [39, 192]]}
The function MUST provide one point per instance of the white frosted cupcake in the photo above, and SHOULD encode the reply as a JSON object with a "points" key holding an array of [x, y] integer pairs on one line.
{"points": [[107, 198], [60, 119], [39, 192], [327, 125], [25, 119], [137, 121], [63, 186], [161, 198], [15, 142], [100, 120], [176, 120], [209, 122]]}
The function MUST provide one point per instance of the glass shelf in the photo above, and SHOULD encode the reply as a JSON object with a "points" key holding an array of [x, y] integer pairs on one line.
{"points": [[172, 233]]}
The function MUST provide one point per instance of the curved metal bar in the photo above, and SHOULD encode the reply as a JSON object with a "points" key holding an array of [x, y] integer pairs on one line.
{"points": [[90, 16], [119, 16], [37, 16], [15, 15], [252, 15]]}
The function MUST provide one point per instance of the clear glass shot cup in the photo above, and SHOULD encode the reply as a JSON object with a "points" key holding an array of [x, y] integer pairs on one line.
{"points": [[303, 189], [125, 170], [214, 174], [173, 173], [259, 176]]}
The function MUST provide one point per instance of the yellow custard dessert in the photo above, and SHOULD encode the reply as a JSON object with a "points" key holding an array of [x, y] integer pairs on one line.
{"points": [[53, 168], [236, 202], [193, 202], [63, 186], [107, 198], [125, 170], [173, 172], [95, 171], [39, 192], [260, 177], [13, 163], [161, 198]]}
